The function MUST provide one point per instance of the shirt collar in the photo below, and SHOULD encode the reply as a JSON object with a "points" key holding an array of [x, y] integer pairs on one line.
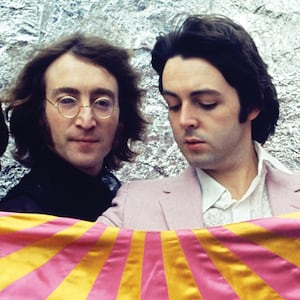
{"points": [[210, 188], [264, 156]]}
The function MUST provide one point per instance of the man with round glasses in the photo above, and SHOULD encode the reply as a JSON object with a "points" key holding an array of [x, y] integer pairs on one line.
{"points": [[75, 109]]}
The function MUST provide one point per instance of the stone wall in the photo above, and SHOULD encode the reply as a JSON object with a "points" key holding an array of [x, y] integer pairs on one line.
{"points": [[134, 24]]}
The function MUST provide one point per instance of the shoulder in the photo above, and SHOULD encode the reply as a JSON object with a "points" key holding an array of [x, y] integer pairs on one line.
{"points": [[156, 189], [161, 183], [143, 203], [25, 195], [138, 204], [283, 175], [288, 179], [19, 203]]}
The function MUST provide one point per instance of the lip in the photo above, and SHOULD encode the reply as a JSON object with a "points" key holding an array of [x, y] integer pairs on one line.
{"points": [[84, 140], [193, 140], [194, 144]]}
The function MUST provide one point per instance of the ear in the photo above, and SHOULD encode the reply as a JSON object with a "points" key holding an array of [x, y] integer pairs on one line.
{"points": [[253, 114]]}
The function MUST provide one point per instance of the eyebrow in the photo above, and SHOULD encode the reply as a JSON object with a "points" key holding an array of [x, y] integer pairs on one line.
{"points": [[194, 93], [66, 90], [74, 91]]}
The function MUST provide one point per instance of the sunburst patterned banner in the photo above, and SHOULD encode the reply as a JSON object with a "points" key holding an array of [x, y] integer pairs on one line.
{"points": [[47, 257]]}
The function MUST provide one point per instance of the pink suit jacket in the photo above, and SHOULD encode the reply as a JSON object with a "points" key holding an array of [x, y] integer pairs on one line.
{"points": [[175, 202]]}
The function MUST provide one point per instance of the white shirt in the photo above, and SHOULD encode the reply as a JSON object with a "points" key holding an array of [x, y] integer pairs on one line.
{"points": [[220, 208]]}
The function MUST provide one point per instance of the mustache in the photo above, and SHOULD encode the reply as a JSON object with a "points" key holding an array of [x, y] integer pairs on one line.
{"points": [[193, 137]]}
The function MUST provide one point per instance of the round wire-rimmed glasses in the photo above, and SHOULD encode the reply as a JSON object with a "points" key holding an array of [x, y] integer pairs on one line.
{"points": [[69, 107]]}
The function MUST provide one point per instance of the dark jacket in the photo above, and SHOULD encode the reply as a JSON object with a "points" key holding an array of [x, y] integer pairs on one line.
{"points": [[55, 187]]}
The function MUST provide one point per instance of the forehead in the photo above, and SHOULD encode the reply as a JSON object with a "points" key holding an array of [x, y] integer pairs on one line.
{"points": [[71, 71], [180, 71]]}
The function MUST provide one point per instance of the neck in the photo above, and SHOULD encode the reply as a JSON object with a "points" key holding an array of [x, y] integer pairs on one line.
{"points": [[237, 177]]}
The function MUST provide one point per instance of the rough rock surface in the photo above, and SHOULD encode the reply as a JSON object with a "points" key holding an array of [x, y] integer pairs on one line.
{"points": [[274, 25]]}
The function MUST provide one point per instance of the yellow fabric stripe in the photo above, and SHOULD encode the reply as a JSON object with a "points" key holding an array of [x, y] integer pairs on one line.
{"points": [[88, 269], [31, 257], [294, 215], [270, 240], [130, 285], [16, 222], [239, 276], [180, 280]]}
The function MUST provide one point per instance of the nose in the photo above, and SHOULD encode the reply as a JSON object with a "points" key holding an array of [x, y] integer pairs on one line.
{"points": [[85, 118], [188, 117]]}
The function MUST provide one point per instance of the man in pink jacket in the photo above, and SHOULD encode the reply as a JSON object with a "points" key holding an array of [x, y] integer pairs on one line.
{"points": [[222, 107]]}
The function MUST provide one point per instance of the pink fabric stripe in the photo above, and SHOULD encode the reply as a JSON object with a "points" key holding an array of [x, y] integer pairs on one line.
{"points": [[267, 265], [154, 285], [17, 240], [50, 275], [107, 284], [212, 285], [282, 226], [6, 213]]}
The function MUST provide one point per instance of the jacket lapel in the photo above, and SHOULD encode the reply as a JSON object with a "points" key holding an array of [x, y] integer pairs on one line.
{"points": [[283, 191], [181, 204]]}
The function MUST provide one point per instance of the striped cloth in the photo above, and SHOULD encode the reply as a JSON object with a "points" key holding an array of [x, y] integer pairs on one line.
{"points": [[48, 257]]}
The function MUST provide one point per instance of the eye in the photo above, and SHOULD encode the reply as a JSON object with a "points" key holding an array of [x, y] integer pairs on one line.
{"points": [[174, 107], [206, 101], [67, 101], [103, 103], [173, 104], [208, 106]]}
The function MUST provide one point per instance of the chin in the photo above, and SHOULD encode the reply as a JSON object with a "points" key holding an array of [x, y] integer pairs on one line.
{"points": [[87, 167], [200, 163]]}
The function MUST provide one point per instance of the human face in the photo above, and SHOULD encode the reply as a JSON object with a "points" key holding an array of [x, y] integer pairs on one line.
{"points": [[84, 140], [204, 114]]}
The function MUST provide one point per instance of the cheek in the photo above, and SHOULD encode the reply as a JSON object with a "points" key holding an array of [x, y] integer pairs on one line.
{"points": [[226, 116], [175, 126], [112, 127], [226, 126], [173, 118], [50, 117]]}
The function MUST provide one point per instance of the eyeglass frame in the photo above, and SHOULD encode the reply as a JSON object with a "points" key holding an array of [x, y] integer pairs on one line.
{"points": [[56, 105]]}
